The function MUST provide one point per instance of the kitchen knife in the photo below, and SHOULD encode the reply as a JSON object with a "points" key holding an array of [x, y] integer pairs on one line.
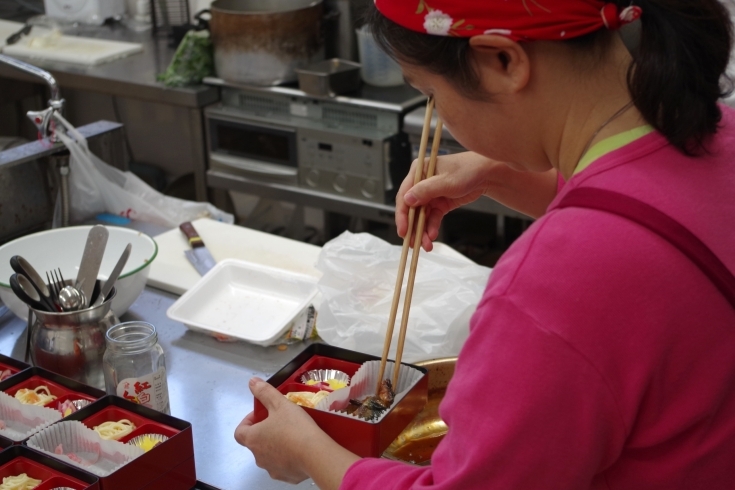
{"points": [[113, 276], [199, 256]]}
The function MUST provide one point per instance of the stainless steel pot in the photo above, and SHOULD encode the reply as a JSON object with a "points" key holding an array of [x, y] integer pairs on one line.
{"points": [[73, 343], [262, 42]]}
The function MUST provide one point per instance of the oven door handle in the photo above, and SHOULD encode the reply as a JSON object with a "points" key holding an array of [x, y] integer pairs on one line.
{"points": [[254, 167]]}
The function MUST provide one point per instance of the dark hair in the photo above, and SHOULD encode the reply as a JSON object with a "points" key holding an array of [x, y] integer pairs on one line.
{"points": [[675, 80]]}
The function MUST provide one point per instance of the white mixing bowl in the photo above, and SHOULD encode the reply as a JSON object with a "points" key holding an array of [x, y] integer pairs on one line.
{"points": [[62, 248]]}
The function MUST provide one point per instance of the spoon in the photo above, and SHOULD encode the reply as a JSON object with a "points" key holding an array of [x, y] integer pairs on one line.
{"points": [[23, 267], [71, 299], [23, 289]]}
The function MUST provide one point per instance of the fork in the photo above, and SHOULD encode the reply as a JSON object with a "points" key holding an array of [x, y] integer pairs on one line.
{"points": [[56, 284]]}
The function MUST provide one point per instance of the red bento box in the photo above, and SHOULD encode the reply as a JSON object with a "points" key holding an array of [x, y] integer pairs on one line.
{"points": [[61, 387], [169, 465], [13, 365], [51, 472], [363, 438]]}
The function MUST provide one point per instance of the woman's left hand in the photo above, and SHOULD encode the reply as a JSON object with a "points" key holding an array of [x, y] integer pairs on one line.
{"points": [[289, 445], [279, 441]]}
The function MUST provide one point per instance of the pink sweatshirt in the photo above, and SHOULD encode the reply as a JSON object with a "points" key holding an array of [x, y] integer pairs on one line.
{"points": [[599, 357]]}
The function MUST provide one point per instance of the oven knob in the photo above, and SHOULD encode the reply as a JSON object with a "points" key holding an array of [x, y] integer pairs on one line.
{"points": [[340, 183], [312, 178], [369, 188]]}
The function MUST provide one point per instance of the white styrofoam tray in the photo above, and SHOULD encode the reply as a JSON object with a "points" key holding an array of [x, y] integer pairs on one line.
{"points": [[244, 300]]}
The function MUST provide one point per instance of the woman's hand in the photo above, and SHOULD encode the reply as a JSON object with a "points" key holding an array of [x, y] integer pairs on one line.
{"points": [[289, 444], [277, 441], [459, 180]]}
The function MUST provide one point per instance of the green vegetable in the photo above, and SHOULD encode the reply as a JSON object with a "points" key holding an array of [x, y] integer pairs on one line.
{"points": [[193, 60]]}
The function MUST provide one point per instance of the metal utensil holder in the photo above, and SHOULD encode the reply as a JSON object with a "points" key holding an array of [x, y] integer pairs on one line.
{"points": [[71, 343]]}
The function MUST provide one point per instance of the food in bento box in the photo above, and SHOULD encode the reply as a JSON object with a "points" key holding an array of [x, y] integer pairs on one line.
{"points": [[5, 374], [147, 441], [115, 430], [307, 398], [332, 384], [373, 406], [67, 407], [19, 482], [326, 379], [40, 395]]}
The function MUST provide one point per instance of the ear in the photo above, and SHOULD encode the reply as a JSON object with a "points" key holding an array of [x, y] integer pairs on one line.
{"points": [[502, 63]]}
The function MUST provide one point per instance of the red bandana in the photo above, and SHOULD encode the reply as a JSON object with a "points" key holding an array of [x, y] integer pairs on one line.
{"points": [[520, 20]]}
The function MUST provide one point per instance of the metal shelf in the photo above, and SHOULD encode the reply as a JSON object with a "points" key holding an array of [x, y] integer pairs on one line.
{"points": [[332, 202]]}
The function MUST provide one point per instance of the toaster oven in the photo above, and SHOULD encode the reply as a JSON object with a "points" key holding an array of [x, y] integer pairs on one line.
{"points": [[327, 145]]}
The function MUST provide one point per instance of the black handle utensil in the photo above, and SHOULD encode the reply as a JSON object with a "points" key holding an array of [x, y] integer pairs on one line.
{"points": [[22, 266], [24, 290]]}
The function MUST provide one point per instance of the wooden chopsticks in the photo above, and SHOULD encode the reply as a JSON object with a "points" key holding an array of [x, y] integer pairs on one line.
{"points": [[417, 236]]}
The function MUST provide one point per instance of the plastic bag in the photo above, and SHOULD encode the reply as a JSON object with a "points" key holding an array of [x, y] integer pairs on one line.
{"points": [[359, 274], [95, 187]]}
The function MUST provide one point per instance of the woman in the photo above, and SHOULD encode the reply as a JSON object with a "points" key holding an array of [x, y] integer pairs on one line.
{"points": [[600, 356]]}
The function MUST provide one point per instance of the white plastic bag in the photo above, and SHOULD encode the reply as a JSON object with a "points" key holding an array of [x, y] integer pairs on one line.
{"points": [[359, 274], [95, 187]]}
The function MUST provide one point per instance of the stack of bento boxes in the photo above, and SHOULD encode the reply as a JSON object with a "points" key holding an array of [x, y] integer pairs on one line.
{"points": [[56, 433]]}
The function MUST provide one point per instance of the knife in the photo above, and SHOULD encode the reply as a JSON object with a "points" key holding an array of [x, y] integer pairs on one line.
{"points": [[199, 256]]}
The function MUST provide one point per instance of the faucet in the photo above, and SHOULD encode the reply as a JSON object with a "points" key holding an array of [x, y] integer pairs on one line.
{"points": [[42, 119]]}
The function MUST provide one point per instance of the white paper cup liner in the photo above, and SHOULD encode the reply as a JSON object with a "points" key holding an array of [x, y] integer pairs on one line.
{"points": [[82, 447], [363, 384], [20, 421]]}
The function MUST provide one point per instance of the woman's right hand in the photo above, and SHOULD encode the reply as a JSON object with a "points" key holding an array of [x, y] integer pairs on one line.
{"points": [[459, 180]]}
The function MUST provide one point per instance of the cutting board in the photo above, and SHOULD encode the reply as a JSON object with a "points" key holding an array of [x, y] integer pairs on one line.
{"points": [[7, 29], [172, 272], [67, 49]]}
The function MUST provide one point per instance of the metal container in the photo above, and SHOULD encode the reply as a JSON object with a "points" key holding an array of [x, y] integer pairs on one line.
{"points": [[418, 441], [73, 343], [329, 78], [262, 42]]}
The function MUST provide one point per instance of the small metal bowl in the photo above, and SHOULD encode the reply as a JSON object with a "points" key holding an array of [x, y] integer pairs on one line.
{"points": [[81, 403], [324, 375], [144, 440]]}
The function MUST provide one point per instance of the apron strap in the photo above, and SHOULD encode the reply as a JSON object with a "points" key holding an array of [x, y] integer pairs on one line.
{"points": [[663, 225]]}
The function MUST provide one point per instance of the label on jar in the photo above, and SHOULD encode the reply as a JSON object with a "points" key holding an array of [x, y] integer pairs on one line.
{"points": [[150, 390]]}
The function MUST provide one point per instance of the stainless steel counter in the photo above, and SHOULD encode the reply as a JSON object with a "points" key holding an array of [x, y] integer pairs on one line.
{"points": [[132, 77], [208, 386]]}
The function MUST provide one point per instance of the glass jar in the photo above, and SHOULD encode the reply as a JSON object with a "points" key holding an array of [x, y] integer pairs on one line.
{"points": [[135, 366]]}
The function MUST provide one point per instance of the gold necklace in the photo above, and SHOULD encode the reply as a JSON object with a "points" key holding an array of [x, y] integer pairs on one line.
{"points": [[620, 112]]}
